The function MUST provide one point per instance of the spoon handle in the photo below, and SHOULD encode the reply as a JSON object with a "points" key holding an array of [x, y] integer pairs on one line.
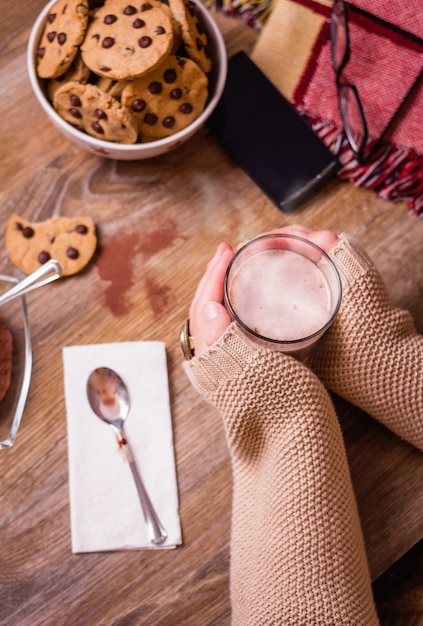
{"points": [[156, 532], [42, 276]]}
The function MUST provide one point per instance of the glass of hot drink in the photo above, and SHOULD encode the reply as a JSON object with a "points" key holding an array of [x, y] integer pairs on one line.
{"points": [[283, 291]]}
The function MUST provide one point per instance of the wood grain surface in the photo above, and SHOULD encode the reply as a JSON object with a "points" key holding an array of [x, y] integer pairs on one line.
{"points": [[159, 222]]}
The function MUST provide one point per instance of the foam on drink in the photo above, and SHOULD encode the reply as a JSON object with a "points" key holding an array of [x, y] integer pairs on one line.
{"points": [[281, 295]]}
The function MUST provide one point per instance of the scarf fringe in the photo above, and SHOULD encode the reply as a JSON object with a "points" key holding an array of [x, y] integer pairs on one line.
{"points": [[396, 174], [253, 12]]}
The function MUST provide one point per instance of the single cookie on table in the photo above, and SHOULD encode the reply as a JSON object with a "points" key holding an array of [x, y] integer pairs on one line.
{"points": [[127, 41], [71, 241], [6, 356], [95, 112], [194, 35], [64, 31], [169, 99], [78, 72]]}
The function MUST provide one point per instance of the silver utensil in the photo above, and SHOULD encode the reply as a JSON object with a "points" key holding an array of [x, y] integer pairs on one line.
{"points": [[46, 273], [109, 399]]}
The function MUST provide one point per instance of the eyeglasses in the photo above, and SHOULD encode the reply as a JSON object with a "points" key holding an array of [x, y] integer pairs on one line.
{"points": [[350, 106]]}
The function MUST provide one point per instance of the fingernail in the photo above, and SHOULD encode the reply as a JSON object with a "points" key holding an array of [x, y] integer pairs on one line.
{"points": [[220, 249], [211, 311]]}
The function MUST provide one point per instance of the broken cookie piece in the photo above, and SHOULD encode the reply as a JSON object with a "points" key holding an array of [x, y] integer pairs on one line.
{"points": [[71, 241]]}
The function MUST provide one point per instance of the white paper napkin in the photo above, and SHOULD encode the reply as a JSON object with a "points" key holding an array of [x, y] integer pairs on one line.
{"points": [[105, 510]]}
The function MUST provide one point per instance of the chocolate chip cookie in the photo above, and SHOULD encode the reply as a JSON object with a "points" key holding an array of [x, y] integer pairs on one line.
{"points": [[169, 99], [90, 109], [125, 41], [72, 241], [194, 36], [63, 33], [78, 72]]}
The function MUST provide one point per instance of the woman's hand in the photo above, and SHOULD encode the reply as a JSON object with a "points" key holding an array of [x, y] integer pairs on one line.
{"points": [[208, 317]]}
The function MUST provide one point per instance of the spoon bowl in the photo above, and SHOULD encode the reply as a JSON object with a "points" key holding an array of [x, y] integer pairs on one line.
{"points": [[109, 399]]}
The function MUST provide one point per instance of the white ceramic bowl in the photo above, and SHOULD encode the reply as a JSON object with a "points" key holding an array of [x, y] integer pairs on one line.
{"points": [[137, 151]]}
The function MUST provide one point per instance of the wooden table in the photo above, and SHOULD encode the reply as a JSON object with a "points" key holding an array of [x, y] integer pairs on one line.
{"points": [[161, 221]]}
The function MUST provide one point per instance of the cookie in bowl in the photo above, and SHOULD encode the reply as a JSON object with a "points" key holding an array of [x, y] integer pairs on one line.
{"points": [[63, 32], [95, 112], [169, 99], [124, 41]]}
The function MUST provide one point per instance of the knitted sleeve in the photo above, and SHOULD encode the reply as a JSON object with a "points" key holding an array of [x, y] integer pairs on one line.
{"points": [[372, 355], [297, 554]]}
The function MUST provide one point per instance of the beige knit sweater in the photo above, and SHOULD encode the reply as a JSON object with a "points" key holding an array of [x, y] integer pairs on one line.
{"points": [[297, 553]]}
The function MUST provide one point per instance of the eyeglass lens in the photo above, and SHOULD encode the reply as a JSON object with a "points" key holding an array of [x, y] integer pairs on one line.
{"points": [[352, 117], [339, 36], [349, 102]]}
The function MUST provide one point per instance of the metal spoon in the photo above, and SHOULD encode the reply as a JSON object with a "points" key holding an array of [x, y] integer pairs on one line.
{"points": [[109, 399], [46, 273]]}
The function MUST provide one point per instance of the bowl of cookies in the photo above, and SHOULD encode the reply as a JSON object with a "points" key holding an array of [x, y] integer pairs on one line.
{"points": [[127, 80]]}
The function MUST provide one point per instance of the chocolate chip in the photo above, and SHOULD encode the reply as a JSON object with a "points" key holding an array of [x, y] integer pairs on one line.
{"points": [[129, 10], [96, 37], [75, 101], [146, 6], [102, 115], [110, 19], [169, 122], [51, 35], [150, 119], [160, 30], [97, 128], [61, 38], [81, 229], [186, 108], [138, 105], [75, 113], [72, 253], [169, 76], [138, 23], [108, 42], [104, 68], [41, 52], [145, 42], [155, 87], [51, 17], [43, 257], [28, 232], [176, 93]]}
